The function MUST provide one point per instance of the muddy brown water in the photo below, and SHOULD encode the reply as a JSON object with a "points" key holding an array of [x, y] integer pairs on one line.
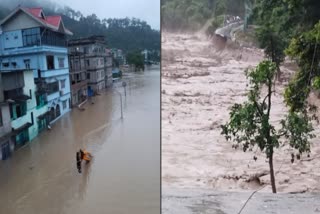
{"points": [[199, 85], [123, 176]]}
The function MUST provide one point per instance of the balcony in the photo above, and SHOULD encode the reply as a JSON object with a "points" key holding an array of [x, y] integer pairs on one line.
{"points": [[76, 85], [96, 67], [53, 73]]}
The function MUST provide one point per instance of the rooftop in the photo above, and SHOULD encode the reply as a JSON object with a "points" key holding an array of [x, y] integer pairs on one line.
{"points": [[52, 22]]}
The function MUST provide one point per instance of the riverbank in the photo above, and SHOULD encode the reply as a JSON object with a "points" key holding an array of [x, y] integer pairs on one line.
{"points": [[190, 201]]}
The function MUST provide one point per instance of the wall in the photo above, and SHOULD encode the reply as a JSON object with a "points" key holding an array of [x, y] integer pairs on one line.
{"points": [[12, 39], [31, 107], [6, 120], [20, 19], [95, 63], [36, 61]]}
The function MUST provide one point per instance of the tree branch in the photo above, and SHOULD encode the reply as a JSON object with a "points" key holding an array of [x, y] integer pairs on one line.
{"points": [[264, 100], [282, 134], [257, 106]]}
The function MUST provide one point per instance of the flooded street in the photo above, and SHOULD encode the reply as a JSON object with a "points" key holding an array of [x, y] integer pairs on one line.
{"points": [[199, 85], [123, 176]]}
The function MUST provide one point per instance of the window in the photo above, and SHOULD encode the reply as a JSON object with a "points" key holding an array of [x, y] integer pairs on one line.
{"points": [[31, 36], [78, 77], [50, 62], [86, 50], [88, 62], [1, 122], [63, 83], [41, 100], [52, 38], [88, 76], [76, 65], [64, 104], [14, 64], [61, 62], [52, 87], [27, 63], [18, 110], [6, 64]]}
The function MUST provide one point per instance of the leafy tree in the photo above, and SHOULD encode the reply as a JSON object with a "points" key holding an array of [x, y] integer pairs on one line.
{"points": [[305, 49], [281, 20], [136, 58], [249, 125], [271, 18], [193, 14]]}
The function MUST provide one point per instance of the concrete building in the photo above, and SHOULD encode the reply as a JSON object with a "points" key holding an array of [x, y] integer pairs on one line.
{"points": [[98, 63], [108, 68], [78, 77], [145, 54], [31, 41], [22, 115], [119, 56]]}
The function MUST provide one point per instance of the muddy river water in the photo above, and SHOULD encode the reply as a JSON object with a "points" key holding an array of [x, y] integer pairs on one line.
{"points": [[123, 176], [199, 85]]}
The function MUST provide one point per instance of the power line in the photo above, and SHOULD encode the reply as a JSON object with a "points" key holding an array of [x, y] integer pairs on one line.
{"points": [[254, 192]]}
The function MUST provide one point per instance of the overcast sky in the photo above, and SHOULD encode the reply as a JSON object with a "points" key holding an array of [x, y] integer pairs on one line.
{"points": [[147, 10]]}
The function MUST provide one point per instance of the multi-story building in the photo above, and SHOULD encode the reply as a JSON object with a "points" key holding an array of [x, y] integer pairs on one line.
{"points": [[119, 56], [96, 61], [108, 79], [31, 41], [145, 54], [78, 77], [22, 115]]}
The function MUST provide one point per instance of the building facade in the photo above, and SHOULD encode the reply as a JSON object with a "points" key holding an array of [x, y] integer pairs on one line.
{"points": [[34, 71], [119, 56], [78, 77], [97, 61], [22, 116], [31, 41]]}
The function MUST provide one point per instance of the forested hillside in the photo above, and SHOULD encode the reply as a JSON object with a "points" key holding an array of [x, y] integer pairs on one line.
{"points": [[127, 34], [193, 14]]}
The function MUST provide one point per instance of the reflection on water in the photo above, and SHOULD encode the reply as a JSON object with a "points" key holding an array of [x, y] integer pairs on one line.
{"points": [[124, 175]]}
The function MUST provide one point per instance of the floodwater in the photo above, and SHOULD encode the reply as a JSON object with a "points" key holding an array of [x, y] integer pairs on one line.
{"points": [[124, 175], [199, 85]]}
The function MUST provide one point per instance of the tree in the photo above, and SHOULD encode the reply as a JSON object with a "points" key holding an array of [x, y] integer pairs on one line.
{"points": [[136, 58], [249, 125], [271, 18], [305, 49]]}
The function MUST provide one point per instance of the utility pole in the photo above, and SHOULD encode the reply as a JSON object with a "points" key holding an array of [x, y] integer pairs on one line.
{"points": [[124, 84], [120, 103]]}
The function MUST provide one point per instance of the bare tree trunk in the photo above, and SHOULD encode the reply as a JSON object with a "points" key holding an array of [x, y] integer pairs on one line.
{"points": [[272, 178]]}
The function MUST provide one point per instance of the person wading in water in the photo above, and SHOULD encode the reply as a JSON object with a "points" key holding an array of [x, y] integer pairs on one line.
{"points": [[82, 155]]}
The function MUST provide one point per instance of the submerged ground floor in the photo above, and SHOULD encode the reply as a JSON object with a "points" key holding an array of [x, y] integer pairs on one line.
{"points": [[123, 176]]}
